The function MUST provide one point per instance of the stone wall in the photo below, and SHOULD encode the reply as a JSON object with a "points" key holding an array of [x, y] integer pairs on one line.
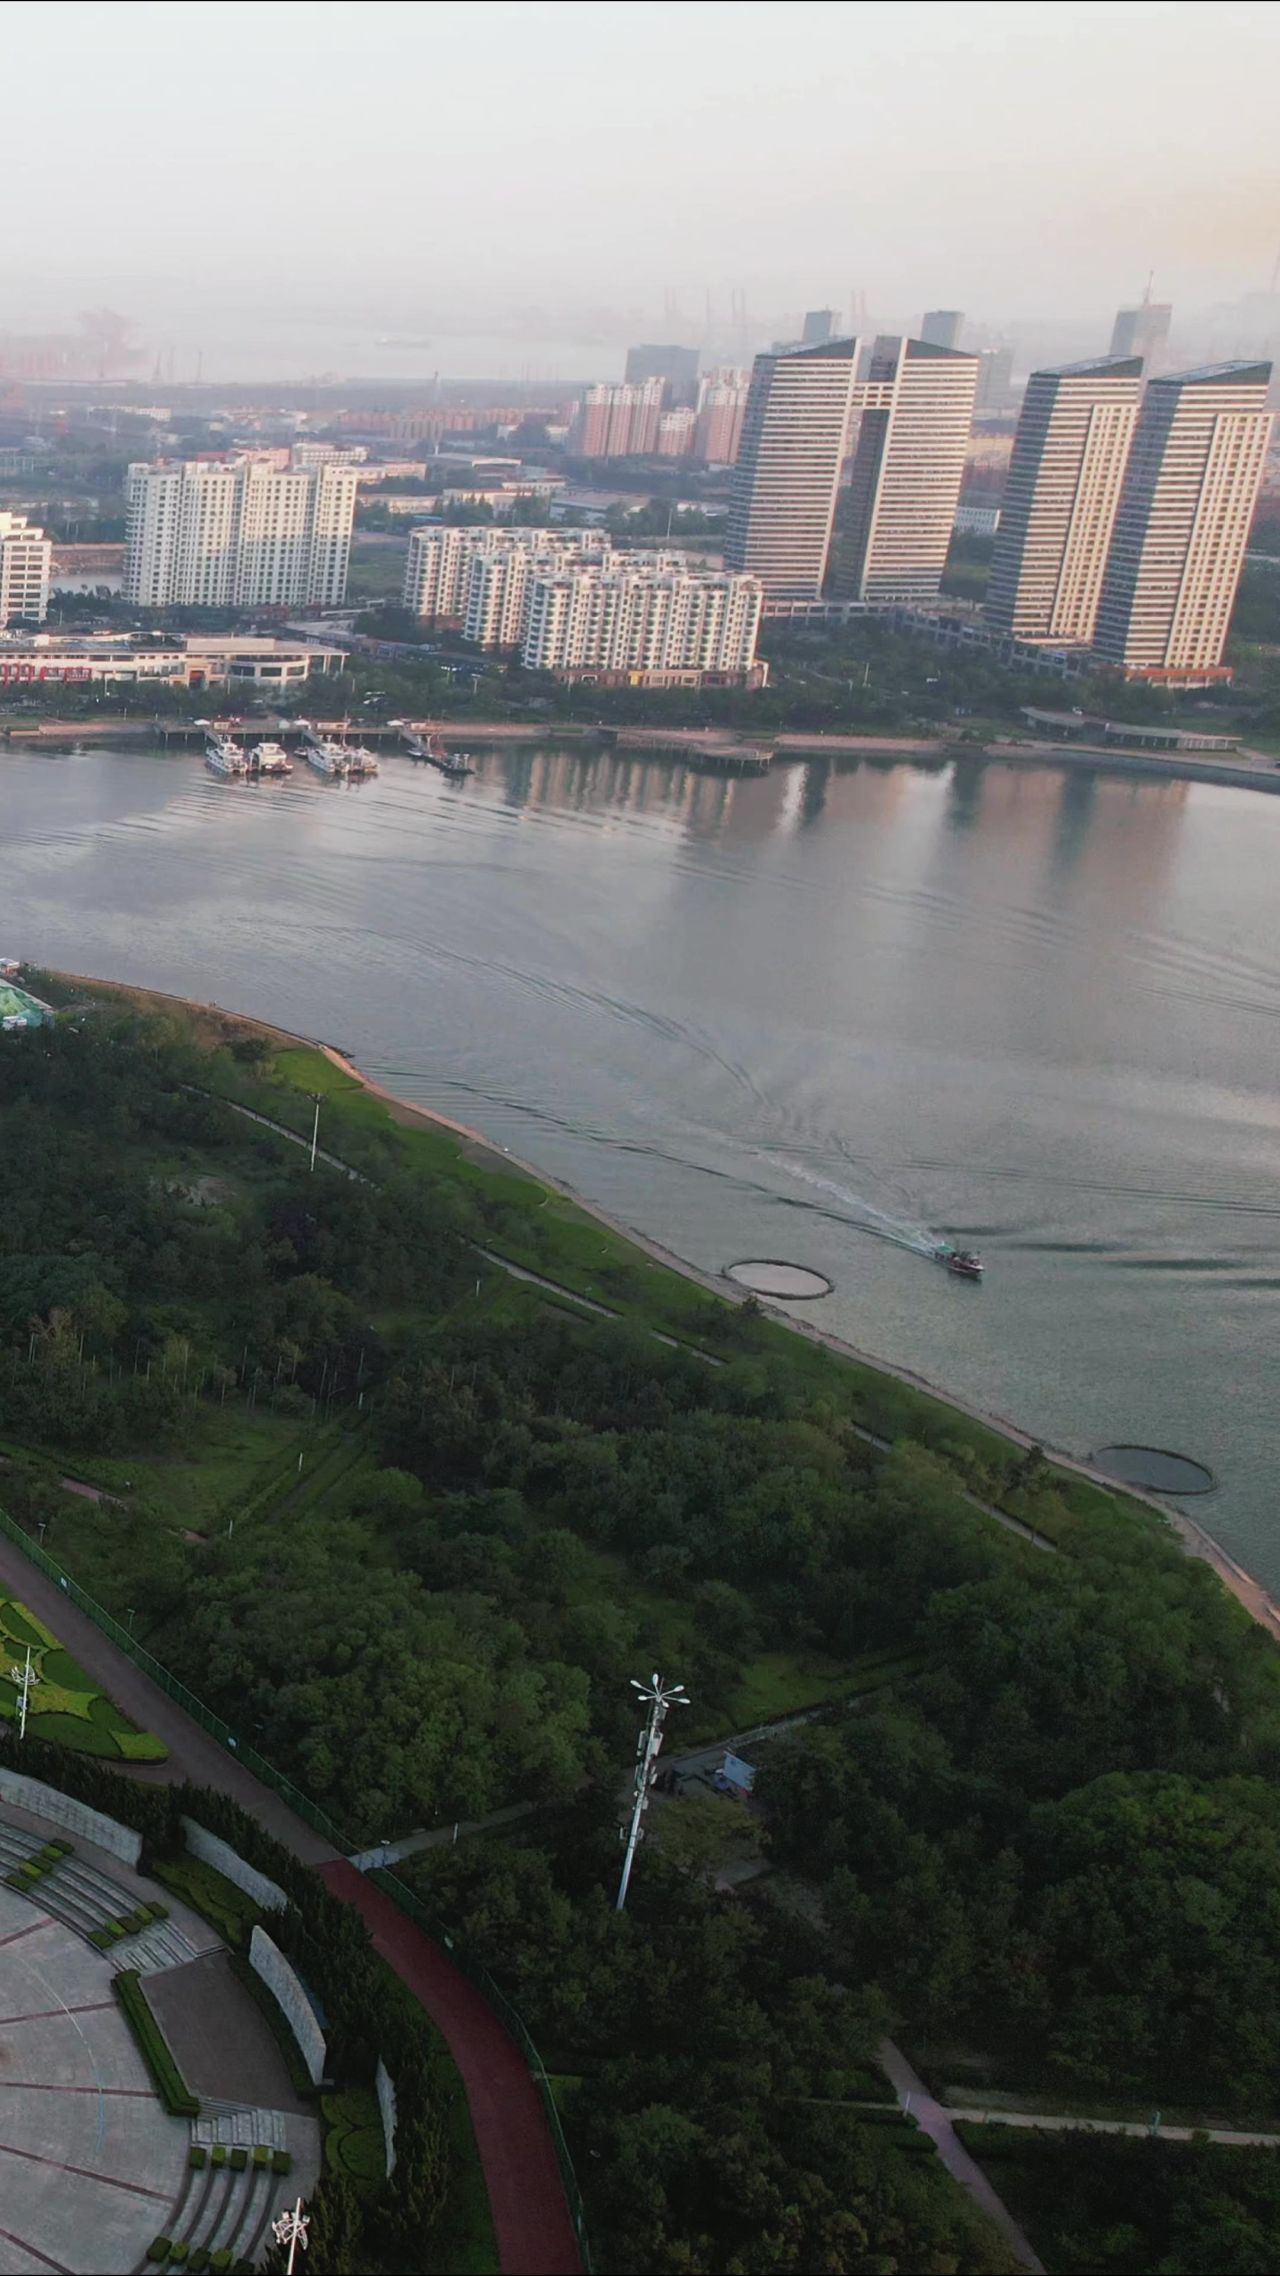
{"points": [[77, 1817], [267, 1895], [287, 1990], [386, 2090]]}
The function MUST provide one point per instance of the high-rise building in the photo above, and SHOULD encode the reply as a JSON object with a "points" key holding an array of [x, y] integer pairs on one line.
{"points": [[643, 620], [995, 380], [942, 327], [1143, 331], [722, 403], [1060, 499], [1183, 521], [441, 581], [787, 468], [620, 422], [677, 366], [677, 433], [26, 557], [916, 407], [237, 533], [819, 325]]}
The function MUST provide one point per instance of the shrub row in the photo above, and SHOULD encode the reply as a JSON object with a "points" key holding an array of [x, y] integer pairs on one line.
{"points": [[33, 1869], [111, 1932], [198, 2157], [153, 2047]]}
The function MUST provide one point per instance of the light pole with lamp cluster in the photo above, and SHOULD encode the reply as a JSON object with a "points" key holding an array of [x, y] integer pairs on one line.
{"points": [[660, 1698], [291, 2229], [26, 1683]]}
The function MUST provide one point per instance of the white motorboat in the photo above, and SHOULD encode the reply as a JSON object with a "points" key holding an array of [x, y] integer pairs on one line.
{"points": [[270, 758]]}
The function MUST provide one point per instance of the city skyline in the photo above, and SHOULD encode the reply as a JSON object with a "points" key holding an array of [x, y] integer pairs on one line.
{"points": [[683, 236]]}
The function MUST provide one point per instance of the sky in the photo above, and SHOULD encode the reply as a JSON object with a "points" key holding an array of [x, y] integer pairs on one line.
{"points": [[287, 186]]}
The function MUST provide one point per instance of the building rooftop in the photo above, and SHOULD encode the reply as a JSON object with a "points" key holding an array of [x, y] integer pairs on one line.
{"points": [[1089, 367], [1247, 373]]}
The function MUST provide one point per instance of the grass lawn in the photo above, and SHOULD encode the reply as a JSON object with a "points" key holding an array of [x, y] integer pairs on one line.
{"points": [[64, 1704]]}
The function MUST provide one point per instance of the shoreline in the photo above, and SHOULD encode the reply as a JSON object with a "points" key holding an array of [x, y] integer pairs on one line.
{"points": [[1244, 770], [1196, 1540]]}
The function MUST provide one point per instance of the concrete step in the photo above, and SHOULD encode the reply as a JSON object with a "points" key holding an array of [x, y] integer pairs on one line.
{"points": [[239, 2125]]}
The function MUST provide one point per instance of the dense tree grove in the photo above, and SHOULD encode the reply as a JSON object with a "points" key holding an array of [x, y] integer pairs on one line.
{"points": [[1052, 1833]]}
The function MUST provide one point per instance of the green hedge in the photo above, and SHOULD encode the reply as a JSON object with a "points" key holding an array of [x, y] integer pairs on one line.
{"points": [[153, 2046]]}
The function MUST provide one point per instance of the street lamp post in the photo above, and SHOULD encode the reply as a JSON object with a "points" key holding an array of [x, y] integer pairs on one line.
{"points": [[660, 1698], [26, 1683], [291, 2229], [315, 1128]]}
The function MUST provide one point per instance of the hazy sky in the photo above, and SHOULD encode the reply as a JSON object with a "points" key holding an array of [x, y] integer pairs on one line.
{"points": [[284, 182]]}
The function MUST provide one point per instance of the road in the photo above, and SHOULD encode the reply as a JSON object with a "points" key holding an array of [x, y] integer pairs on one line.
{"points": [[935, 2120]]}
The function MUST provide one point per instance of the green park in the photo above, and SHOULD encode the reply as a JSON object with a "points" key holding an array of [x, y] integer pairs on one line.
{"points": [[405, 1466]]}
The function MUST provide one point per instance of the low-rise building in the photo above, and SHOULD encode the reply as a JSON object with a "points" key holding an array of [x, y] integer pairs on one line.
{"points": [[200, 660]]}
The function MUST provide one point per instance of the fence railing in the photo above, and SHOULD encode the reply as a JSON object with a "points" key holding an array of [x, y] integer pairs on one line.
{"points": [[324, 1825]]}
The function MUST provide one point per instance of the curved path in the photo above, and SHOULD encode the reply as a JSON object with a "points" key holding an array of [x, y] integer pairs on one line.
{"points": [[530, 2215]]}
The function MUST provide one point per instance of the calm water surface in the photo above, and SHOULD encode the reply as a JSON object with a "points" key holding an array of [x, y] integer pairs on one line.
{"points": [[795, 1017]]}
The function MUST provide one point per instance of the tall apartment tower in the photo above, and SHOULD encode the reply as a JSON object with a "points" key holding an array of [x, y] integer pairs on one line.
{"points": [[916, 404], [1183, 521], [620, 422], [26, 557], [787, 470], [1143, 331], [942, 327], [237, 533], [1060, 499], [677, 366]]}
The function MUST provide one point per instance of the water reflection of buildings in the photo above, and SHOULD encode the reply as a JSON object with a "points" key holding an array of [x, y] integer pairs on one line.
{"points": [[1116, 835], [1120, 832]]}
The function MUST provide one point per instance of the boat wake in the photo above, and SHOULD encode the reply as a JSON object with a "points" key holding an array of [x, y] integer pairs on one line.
{"points": [[904, 1232]]}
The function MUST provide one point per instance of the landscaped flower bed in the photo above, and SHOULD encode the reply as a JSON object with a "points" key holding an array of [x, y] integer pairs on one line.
{"points": [[64, 1703]]}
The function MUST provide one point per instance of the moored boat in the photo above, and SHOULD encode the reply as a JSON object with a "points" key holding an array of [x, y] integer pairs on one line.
{"points": [[270, 758], [222, 755]]}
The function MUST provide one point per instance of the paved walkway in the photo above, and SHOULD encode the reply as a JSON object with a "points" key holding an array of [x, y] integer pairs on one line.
{"points": [[935, 2120], [1058, 2123], [530, 2215]]}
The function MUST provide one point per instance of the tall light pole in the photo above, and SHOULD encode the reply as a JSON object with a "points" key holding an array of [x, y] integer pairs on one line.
{"points": [[315, 1128], [291, 2229], [26, 1683], [660, 1698]]}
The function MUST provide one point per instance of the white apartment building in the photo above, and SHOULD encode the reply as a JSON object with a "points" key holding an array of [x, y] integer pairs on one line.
{"points": [[237, 533], [440, 562], [26, 560], [788, 467], [1183, 521], [644, 622], [915, 402], [1060, 500]]}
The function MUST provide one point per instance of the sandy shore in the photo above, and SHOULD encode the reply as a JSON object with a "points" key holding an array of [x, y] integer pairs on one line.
{"points": [[1248, 1591]]}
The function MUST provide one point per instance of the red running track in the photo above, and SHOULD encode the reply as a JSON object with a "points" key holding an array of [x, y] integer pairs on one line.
{"points": [[530, 2216]]}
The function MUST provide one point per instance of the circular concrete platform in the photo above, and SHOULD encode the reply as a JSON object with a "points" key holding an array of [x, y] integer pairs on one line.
{"points": [[1156, 1468], [772, 1276]]}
